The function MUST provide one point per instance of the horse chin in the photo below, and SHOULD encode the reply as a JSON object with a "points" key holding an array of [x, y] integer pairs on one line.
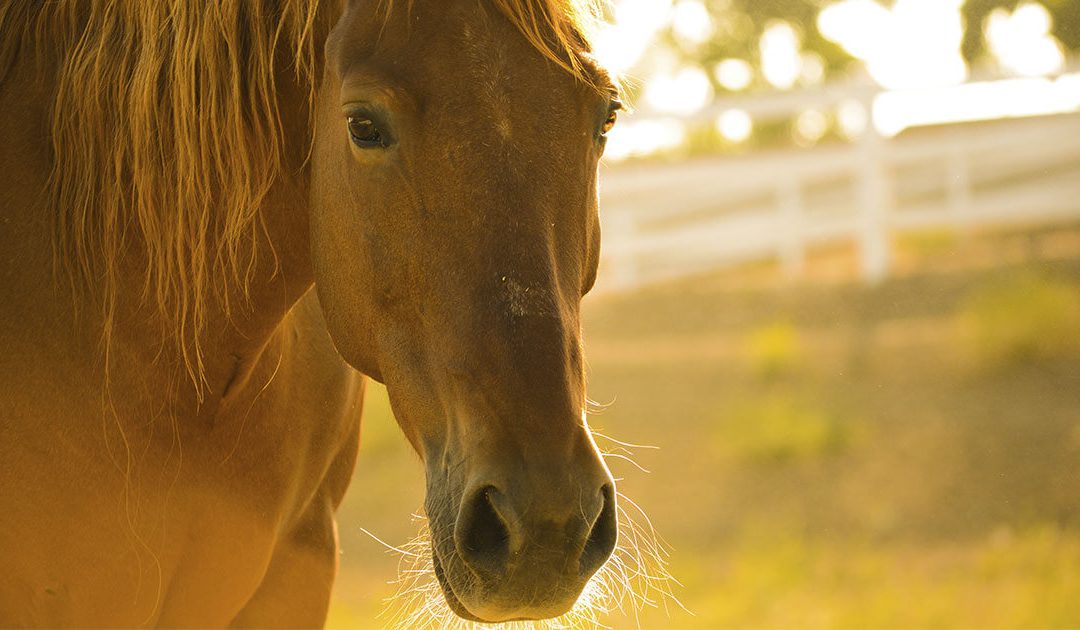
{"points": [[458, 607], [448, 591]]}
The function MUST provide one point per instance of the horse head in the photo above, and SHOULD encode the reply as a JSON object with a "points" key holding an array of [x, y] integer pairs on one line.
{"points": [[454, 233]]}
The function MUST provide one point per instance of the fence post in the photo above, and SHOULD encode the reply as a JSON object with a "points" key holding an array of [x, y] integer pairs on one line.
{"points": [[874, 198], [958, 188], [792, 249], [619, 237]]}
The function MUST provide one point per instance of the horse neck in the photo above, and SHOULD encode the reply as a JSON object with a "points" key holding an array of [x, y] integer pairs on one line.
{"points": [[283, 272], [44, 313], [282, 275]]}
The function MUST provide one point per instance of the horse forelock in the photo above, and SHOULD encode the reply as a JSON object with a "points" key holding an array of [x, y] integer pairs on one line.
{"points": [[561, 30], [166, 132]]}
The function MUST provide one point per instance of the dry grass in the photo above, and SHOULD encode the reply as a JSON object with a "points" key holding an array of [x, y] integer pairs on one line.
{"points": [[855, 466]]}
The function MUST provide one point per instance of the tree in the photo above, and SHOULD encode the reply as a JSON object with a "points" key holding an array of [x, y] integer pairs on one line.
{"points": [[1066, 14], [740, 24]]}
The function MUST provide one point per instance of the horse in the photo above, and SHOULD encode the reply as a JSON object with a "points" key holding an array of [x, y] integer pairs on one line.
{"points": [[219, 218]]}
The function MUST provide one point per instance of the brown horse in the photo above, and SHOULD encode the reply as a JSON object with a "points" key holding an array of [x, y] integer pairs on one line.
{"points": [[179, 410]]}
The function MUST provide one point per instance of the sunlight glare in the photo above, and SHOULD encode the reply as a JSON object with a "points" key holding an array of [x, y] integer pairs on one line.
{"points": [[896, 111], [810, 126], [636, 139], [735, 125], [619, 45], [1021, 40], [734, 74], [852, 116], [813, 69], [691, 23], [915, 44], [781, 58], [683, 92], [857, 25]]}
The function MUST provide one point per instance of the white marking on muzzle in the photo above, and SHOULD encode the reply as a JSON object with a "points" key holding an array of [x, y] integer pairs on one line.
{"points": [[523, 299]]}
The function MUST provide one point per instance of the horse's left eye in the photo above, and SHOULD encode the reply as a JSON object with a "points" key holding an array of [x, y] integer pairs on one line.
{"points": [[612, 118], [364, 133]]}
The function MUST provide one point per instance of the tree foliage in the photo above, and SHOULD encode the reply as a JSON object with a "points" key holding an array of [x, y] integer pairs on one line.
{"points": [[741, 23], [1066, 14]]}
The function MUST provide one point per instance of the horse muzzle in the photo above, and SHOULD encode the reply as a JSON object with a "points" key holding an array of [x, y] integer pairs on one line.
{"points": [[523, 547]]}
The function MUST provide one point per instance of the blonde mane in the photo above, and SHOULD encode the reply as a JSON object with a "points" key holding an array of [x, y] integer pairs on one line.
{"points": [[166, 134]]}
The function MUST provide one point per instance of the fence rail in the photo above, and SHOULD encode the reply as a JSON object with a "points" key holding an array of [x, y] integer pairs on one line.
{"points": [[664, 221]]}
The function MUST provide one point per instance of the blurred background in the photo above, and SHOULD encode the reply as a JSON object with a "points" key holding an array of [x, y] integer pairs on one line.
{"points": [[840, 293]]}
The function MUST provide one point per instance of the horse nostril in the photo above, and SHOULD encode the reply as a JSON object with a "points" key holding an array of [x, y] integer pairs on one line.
{"points": [[482, 536], [602, 537]]}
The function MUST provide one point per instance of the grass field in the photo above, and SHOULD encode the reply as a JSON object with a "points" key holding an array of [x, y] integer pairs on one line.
{"points": [[829, 455]]}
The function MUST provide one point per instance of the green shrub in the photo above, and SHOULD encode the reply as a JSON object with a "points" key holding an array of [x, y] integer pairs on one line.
{"points": [[1021, 318], [929, 242], [774, 350], [780, 429]]}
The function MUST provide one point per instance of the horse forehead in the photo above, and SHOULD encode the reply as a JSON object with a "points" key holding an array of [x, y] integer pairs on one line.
{"points": [[489, 61], [485, 48], [486, 57], [459, 53]]}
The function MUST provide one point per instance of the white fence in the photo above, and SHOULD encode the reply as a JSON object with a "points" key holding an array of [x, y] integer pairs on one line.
{"points": [[668, 220]]}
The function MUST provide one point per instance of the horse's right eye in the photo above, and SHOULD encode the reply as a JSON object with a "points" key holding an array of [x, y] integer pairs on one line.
{"points": [[365, 134]]}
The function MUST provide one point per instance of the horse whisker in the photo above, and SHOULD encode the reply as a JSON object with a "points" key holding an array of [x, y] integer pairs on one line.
{"points": [[636, 577], [626, 459], [626, 444], [389, 547]]}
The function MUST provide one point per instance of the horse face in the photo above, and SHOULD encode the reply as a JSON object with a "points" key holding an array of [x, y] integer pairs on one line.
{"points": [[454, 232]]}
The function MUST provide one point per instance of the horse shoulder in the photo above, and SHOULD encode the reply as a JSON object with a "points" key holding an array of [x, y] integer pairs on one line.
{"points": [[116, 506], [296, 410]]}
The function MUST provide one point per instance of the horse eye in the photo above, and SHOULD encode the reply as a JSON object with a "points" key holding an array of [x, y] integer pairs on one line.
{"points": [[364, 133], [612, 118]]}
